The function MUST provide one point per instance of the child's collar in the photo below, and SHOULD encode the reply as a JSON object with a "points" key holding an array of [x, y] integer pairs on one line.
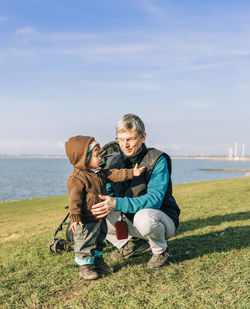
{"points": [[95, 170]]}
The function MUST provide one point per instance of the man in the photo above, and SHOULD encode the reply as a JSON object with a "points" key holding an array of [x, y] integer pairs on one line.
{"points": [[146, 201]]}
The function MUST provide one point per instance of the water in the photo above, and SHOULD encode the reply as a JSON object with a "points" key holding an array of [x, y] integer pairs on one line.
{"points": [[22, 178], [188, 170]]}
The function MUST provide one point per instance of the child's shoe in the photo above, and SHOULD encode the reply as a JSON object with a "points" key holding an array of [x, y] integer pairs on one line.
{"points": [[101, 266], [88, 272]]}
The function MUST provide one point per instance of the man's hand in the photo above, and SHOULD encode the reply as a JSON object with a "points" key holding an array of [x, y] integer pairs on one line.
{"points": [[73, 226], [137, 171], [102, 209]]}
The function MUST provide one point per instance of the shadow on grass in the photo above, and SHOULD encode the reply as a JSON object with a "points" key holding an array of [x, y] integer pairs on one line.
{"points": [[190, 247], [194, 246], [138, 260], [192, 225]]}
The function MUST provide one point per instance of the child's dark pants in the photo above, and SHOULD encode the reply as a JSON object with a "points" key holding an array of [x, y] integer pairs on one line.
{"points": [[89, 238]]}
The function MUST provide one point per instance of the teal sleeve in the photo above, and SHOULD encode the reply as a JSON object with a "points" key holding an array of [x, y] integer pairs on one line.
{"points": [[109, 189], [156, 190]]}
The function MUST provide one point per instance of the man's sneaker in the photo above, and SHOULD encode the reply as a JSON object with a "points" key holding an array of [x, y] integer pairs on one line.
{"points": [[158, 260], [132, 247], [88, 272], [101, 266]]}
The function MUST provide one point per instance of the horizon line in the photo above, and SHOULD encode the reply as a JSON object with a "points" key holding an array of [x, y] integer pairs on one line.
{"points": [[65, 156]]}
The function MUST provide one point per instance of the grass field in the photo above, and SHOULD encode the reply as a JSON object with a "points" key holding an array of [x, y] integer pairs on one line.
{"points": [[209, 265]]}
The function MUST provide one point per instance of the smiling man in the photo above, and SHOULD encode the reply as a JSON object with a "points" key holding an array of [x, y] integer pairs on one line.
{"points": [[145, 202]]}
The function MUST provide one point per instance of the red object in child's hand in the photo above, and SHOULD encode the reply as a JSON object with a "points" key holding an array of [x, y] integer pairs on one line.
{"points": [[121, 229]]}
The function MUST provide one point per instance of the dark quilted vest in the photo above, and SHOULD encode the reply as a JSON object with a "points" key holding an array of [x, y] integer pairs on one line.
{"points": [[138, 185]]}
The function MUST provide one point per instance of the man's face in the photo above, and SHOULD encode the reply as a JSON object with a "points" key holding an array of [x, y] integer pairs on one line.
{"points": [[130, 142]]}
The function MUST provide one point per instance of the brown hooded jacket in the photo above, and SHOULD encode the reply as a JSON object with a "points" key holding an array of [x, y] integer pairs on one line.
{"points": [[84, 185]]}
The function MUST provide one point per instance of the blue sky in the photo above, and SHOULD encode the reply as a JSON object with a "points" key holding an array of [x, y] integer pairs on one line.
{"points": [[70, 67]]}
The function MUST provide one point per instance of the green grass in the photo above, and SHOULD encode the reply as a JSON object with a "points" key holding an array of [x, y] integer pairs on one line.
{"points": [[209, 257]]}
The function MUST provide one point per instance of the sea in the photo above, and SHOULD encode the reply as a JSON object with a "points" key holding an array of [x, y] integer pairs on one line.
{"points": [[25, 178]]}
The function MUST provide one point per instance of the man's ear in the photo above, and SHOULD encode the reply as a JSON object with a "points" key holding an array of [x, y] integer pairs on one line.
{"points": [[144, 137]]}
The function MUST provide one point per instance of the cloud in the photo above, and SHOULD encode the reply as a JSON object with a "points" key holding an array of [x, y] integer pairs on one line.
{"points": [[136, 84], [172, 147], [201, 104], [60, 144], [1, 57], [25, 31], [154, 11], [23, 52], [29, 146], [160, 147], [8, 102], [3, 18], [188, 50], [243, 87], [67, 36], [177, 146], [56, 36], [159, 13], [206, 66], [121, 49], [240, 52]]}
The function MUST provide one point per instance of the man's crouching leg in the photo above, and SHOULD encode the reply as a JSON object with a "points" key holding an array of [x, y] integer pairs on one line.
{"points": [[157, 227], [133, 245]]}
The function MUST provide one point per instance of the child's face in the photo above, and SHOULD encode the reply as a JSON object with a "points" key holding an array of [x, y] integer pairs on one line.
{"points": [[95, 158]]}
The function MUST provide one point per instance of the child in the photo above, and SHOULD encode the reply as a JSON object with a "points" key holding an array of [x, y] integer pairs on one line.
{"points": [[84, 185]]}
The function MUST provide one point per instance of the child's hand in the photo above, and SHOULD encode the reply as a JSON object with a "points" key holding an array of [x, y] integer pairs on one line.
{"points": [[74, 225], [137, 171]]}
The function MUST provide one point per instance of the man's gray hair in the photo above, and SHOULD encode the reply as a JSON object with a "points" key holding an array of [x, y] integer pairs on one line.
{"points": [[130, 122]]}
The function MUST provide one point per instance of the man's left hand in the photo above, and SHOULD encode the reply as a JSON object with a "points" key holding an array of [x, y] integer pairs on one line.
{"points": [[102, 209]]}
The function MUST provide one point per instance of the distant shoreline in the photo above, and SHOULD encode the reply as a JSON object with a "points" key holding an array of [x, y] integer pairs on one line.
{"points": [[215, 158]]}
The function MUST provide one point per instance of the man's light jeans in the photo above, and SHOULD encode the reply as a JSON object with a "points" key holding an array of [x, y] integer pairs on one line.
{"points": [[150, 224]]}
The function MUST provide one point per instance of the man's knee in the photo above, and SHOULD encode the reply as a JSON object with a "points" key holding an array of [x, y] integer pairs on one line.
{"points": [[145, 222]]}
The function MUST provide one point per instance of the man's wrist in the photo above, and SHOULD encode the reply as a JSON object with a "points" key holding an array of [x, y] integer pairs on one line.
{"points": [[113, 202]]}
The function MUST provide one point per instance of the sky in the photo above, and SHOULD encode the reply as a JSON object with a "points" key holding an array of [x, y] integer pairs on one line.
{"points": [[70, 67]]}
